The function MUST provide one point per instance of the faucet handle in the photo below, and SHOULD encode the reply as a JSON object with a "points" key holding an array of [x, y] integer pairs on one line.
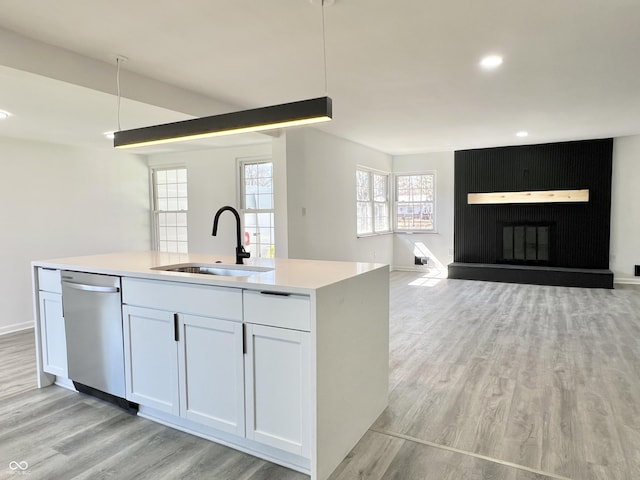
{"points": [[241, 253]]}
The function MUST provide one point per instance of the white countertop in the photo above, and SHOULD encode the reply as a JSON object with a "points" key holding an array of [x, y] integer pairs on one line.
{"points": [[294, 276]]}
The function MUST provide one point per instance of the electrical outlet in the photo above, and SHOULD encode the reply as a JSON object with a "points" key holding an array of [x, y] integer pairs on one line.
{"points": [[421, 260], [637, 271]]}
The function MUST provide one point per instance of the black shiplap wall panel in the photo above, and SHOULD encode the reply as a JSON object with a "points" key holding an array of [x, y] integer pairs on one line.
{"points": [[581, 229]]}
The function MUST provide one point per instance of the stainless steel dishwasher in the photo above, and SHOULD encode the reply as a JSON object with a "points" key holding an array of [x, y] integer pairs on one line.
{"points": [[93, 324]]}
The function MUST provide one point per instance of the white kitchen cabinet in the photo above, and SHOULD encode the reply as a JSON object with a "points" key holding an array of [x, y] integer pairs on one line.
{"points": [[277, 387], [151, 358], [186, 357], [211, 372], [185, 365], [277, 309], [52, 331], [53, 338], [278, 371]]}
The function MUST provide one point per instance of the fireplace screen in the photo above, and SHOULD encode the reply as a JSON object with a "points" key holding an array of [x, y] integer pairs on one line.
{"points": [[526, 243]]}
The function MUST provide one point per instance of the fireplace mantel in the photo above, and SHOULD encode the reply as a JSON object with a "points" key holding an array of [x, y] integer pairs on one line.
{"points": [[538, 196]]}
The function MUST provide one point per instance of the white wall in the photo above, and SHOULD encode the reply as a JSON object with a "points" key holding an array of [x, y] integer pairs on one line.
{"points": [[296, 178], [625, 201], [437, 246], [321, 196], [213, 183], [63, 201]]}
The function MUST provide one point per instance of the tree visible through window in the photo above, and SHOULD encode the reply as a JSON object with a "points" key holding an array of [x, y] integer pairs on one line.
{"points": [[170, 204], [372, 202], [258, 208], [415, 202]]}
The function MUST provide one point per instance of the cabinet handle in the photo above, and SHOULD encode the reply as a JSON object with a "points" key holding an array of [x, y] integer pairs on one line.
{"points": [[176, 328], [244, 340], [279, 294]]}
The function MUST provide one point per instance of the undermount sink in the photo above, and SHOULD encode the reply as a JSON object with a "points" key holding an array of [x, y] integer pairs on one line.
{"points": [[209, 269]]}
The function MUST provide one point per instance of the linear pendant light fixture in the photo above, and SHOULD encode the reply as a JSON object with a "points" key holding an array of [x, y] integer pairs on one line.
{"points": [[303, 112]]}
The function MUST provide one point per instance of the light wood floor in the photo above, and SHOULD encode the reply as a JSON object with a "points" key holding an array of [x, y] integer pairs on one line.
{"points": [[545, 377], [17, 364], [487, 381]]}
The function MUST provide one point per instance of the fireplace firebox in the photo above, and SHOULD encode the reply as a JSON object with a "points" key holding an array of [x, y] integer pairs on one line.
{"points": [[526, 243]]}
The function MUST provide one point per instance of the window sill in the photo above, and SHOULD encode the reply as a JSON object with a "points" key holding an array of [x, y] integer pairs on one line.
{"points": [[368, 235], [416, 232]]}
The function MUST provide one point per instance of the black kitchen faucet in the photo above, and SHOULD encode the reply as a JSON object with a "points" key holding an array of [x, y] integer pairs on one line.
{"points": [[240, 251]]}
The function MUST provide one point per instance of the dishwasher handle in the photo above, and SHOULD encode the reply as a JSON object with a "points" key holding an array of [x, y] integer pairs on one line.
{"points": [[91, 288]]}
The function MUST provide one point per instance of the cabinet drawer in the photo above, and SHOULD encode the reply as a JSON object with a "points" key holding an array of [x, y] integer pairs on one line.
{"points": [[205, 300], [49, 280], [286, 311]]}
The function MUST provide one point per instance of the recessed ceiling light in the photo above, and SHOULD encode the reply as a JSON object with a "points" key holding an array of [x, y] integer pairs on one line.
{"points": [[522, 134], [109, 135], [4, 114], [491, 61]]}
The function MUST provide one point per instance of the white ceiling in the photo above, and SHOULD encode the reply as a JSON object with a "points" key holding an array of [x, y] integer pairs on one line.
{"points": [[59, 112], [403, 74]]}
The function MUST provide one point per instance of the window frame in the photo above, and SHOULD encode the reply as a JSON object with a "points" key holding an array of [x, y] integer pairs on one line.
{"points": [[434, 211], [155, 211], [371, 172], [241, 162]]}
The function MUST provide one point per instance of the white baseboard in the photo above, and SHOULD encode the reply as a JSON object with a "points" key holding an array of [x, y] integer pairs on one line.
{"points": [[409, 268], [16, 327], [626, 281]]}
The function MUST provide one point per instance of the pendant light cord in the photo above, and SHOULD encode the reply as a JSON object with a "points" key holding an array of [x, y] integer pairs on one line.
{"points": [[118, 60], [324, 51]]}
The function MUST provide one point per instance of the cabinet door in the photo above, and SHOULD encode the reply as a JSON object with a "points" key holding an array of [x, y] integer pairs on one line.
{"points": [[151, 358], [54, 341], [211, 372], [277, 385]]}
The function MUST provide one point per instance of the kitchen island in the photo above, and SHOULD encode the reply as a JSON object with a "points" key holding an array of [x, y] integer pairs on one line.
{"points": [[283, 359]]}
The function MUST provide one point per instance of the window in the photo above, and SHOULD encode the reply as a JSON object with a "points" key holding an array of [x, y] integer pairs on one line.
{"points": [[170, 205], [257, 206], [372, 202], [415, 202]]}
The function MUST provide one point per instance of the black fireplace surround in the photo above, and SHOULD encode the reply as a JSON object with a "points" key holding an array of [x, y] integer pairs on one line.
{"points": [[563, 243]]}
